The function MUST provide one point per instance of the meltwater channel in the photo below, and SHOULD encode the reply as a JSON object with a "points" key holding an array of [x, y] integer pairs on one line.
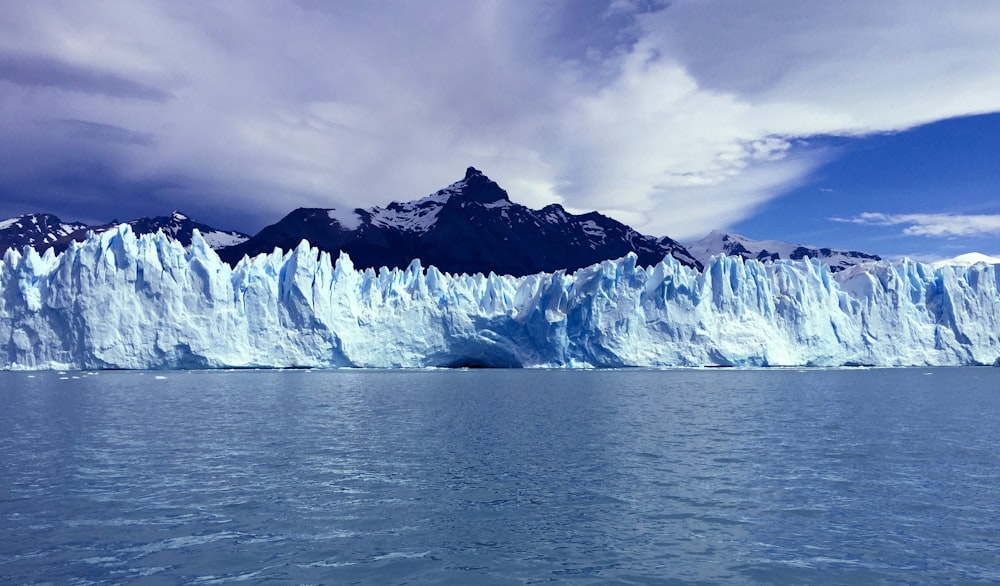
{"points": [[501, 477]]}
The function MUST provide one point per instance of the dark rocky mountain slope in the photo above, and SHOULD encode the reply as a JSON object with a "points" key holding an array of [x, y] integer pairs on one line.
{"points": [[471, 226]]}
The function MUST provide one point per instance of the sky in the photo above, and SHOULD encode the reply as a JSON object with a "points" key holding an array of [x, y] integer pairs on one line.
{"points": [[855, 124]]}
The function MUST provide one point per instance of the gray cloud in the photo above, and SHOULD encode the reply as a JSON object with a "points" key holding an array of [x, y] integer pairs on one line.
{"points": [[102, 133], [40, 71]]}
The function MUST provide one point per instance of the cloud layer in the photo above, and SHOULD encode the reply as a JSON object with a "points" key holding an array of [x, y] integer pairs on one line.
{"points": [[933, 225], [677, 118]]}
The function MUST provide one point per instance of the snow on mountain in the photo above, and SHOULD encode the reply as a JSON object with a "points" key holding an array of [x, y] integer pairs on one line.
{"points": [[967, 260], [181, 228], [118, 301], [38, 230], [414, 216], [348, 219], [45, 230], [719, 243], [468, 227]]}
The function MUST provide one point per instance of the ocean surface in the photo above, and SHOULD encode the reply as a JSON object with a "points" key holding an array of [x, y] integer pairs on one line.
{"points": [[501, 477]]}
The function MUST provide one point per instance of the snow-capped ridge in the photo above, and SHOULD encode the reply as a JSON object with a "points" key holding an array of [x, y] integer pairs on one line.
{"points": [[38, 230], [180, 227], [718, 243], [45, 230]]}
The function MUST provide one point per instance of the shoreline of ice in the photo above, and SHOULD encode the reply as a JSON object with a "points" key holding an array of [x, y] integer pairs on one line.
{"points": [[117, 301]]}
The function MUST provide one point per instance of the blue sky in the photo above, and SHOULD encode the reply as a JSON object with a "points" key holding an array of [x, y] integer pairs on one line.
{"points": [[910, 193], [857, 124]]}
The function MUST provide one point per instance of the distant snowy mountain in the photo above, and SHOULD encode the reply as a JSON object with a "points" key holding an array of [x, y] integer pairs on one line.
{"points": [[38, 230], [469, 227], [967, 260], [43, 231], [179, 227], [719, 243]]}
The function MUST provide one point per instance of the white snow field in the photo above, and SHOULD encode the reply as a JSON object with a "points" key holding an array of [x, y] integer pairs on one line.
{"points": [[117, 301]]}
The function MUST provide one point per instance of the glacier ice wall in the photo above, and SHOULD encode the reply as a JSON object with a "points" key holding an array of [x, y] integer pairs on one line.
{"points": [[117, 301]]}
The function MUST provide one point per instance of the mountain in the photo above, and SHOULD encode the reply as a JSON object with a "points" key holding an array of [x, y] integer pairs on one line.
{"points": [[38, 230], [45, 231], [967, 260], [719, 243], [469, 227], [118, 301], [179, 227]]}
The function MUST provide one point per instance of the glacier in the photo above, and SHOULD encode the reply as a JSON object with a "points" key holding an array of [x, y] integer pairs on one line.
{"points": [[126, 302]]}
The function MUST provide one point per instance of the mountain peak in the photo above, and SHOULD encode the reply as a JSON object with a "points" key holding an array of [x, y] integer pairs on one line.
{"points": [[479, 188], [471, 226]]}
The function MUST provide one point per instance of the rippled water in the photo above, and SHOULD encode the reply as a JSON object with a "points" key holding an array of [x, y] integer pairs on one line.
{"points": [[704, 476]]}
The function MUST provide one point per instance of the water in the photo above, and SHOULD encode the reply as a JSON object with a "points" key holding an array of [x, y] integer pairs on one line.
{"points": [[506, 477]]}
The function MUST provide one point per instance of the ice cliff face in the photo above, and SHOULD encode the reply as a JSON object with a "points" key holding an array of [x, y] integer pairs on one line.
{"points": [[117, 301]]}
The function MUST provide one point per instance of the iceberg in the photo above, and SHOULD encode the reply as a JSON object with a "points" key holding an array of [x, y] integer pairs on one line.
{"points": [[121, 301]]}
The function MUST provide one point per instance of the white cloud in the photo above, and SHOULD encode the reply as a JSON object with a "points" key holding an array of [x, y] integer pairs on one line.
{"points": [[934, 225], [679, 120], [713, 93]]}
